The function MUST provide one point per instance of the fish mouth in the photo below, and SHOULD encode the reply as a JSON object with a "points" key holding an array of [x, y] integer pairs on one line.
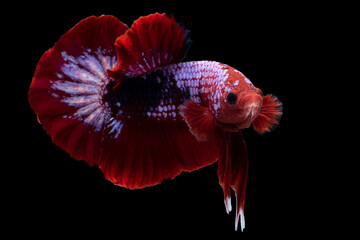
{"points": [[246, 123]]}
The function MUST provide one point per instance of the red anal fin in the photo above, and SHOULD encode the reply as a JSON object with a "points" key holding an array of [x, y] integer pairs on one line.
{"points": [[153, 41], [233, 172], [200, 120], [269, 116], [144, 154]]}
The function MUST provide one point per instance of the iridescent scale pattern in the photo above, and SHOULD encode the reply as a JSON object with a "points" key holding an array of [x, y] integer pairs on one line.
{"points": [[197, 80]]}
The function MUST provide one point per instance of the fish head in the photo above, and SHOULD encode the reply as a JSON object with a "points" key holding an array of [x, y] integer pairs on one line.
{"points": [[239, 102], [240, 108]]}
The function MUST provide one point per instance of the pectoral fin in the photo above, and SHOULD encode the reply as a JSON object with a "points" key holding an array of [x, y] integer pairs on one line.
{"points": [[200, 120]]}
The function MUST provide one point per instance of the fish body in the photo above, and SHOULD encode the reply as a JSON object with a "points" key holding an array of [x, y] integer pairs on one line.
{"points": [[122, 99], [158, 96]]}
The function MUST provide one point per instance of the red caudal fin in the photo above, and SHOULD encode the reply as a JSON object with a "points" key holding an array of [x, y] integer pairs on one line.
{"points": [[66, 83], [64, 91], [152, 41], [199, 119], [269, 116], [233, 172]]}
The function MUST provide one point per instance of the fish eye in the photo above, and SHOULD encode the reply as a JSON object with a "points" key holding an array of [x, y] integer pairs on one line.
{"points": [[231, 98]]}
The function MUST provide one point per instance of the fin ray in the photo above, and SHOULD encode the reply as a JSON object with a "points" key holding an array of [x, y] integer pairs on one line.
{"points": [[153, 41], [199, 119], [138, 157], [269, 116]]}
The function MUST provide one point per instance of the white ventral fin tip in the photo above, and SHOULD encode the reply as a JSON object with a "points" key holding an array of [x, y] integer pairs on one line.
{"points": [[228, 206], [242, 220]]}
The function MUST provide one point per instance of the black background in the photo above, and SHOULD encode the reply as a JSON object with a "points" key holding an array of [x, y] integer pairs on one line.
{"points": [[53, 192]]}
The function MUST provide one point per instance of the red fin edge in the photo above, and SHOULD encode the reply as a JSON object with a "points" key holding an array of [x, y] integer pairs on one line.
{"points": [[153, 41], [66, 84], [139, 157], [269, 116]]}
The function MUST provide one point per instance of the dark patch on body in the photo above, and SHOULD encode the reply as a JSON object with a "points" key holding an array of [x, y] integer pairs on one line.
{"points": [[138, 95]]}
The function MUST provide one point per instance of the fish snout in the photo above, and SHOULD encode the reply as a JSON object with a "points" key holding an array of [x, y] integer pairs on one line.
{"points": [[253, 108]]}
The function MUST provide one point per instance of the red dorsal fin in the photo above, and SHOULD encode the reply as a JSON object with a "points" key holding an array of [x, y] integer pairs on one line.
{"points": [[152, 41], [269, 116], [200, 120]]}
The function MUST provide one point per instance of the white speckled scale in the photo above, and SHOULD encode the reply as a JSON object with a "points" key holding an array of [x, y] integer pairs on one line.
{"points": [[198, 76], [202, 80]]}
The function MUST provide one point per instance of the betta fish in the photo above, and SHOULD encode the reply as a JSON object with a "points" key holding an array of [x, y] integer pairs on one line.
{"points": [[122, 99]]}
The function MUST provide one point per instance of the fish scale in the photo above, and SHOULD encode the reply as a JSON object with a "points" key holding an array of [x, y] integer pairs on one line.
{"points": [[159, 94]]}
